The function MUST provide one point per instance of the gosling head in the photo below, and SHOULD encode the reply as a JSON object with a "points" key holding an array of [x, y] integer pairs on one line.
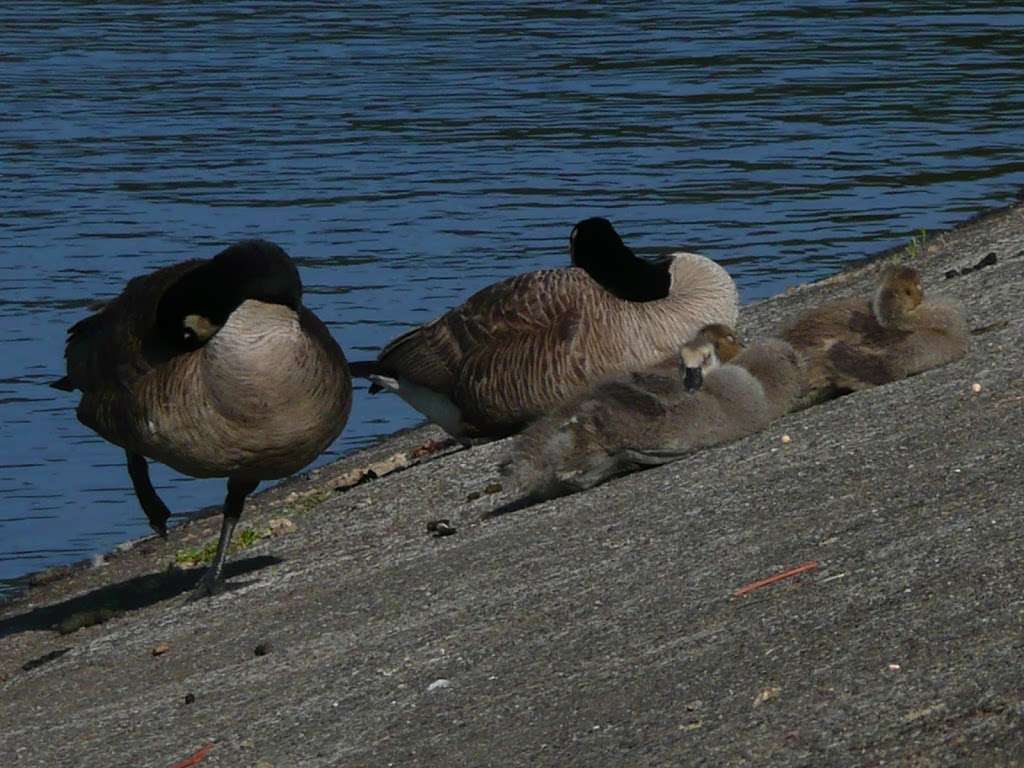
{"points": [[696, 357], [194, 308], [725, 340], [899, 294]]}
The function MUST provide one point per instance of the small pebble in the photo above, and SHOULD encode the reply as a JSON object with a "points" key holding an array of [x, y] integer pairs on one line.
{"points": [[161, 649], [280, 526], [263, 648], [786, 439], [767, 695], [439, 684], [894, 667], [975, 387], [441, 528], [190, 698]]}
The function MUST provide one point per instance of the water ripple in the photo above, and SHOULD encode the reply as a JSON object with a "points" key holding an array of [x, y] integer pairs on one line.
{"points": [[411, 153]]}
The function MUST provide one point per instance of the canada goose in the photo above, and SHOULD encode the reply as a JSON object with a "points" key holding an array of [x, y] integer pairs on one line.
{"points": [[855, 344], [517, 348], [625, 424], [215, 368]]}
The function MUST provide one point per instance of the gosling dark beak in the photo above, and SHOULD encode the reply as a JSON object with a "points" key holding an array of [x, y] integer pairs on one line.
{"points": [[692, 379]]}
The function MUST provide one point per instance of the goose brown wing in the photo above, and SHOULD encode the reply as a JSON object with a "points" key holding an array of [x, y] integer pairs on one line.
{"points": [[109, 348], [467, 342]]}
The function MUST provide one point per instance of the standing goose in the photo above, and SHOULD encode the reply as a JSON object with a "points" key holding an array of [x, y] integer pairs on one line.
{"points": [[518, 348], [855, 344], [638, 420], [215, 368]]}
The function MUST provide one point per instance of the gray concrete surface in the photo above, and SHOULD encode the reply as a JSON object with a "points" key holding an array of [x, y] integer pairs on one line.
{"points": [[597, 629]]}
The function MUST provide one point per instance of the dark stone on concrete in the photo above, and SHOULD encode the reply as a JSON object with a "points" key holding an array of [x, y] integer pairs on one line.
{"points": [[262, 649]]}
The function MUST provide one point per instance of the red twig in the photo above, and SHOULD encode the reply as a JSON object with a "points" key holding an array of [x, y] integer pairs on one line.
{"points": [[431, 446], [195, 758], [810, 565]]}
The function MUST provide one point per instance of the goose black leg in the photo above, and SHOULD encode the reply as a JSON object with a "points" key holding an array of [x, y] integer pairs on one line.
{"points": [[233, 503], [154, 507]]}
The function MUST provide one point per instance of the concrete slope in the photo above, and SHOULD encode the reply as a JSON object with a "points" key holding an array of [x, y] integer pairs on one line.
{"points": [[599, 629]]}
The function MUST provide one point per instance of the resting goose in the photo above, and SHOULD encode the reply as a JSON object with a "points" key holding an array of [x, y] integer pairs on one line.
{"points": [[215, 368], [518, 348], [855, 344], [630, 422]]}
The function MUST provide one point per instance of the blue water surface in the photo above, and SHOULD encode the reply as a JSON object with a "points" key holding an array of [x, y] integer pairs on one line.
{"points": [[407, 154]]}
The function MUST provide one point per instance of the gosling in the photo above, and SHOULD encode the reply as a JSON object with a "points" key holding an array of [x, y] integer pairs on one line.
{"points": [[646, 419], [855, 344]]}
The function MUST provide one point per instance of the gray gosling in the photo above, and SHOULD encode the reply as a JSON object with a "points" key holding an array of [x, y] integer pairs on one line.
{"points": [[648, 418], [215, 368], [520, 347], [855, 344]]}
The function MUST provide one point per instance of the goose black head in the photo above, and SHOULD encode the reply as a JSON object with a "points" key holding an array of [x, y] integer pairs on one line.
{"points": [[594, 239], [195, 307], [596, 247]]}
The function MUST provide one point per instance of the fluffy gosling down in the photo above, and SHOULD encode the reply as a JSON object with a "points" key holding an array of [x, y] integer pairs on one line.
{"points": [[522, 346], [654, 417], [855, 344], [215, 368]]}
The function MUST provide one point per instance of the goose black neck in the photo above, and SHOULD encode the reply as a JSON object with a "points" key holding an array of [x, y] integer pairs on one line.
{"points": [[251, 269], [596, 247], [633, 279]]}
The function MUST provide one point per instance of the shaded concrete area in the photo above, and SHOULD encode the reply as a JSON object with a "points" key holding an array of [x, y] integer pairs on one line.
{"points": [[598, 629]]}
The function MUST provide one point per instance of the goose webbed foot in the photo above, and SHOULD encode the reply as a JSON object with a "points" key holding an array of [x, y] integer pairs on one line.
{"points": [[213, 579], [156, 511], [208, 586]]}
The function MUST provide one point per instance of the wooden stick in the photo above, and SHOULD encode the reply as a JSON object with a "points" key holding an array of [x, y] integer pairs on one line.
{"points": [[195, 758], [810, 565]]}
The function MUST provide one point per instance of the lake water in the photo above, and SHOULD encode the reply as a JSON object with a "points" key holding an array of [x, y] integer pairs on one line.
{"points": [[407, 154]]}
